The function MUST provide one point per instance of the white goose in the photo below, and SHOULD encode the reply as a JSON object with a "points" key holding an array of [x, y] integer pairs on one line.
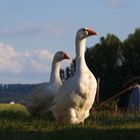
{"points": [[42, 96], [76, 96]]}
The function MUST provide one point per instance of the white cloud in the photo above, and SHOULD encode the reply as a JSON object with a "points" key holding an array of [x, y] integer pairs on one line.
{"points": [[41, 67], [33, 29], [15, 62], [116, 3], [8, 60], [40, 61], [43, 54]]}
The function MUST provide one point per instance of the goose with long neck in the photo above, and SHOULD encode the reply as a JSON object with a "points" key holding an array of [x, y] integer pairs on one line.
{"points": [[80, 43], [43, 95], [55, 70], [76, 96]]}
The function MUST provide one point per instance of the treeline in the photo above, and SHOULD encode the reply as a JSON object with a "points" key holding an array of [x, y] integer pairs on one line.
{"points": [[114, 61], [15, 92]]}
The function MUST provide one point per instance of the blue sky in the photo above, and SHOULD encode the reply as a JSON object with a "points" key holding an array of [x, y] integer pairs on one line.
{"points": [[31, 31]]}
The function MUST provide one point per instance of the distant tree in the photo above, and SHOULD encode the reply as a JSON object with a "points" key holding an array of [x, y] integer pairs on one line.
{"points": [[62, 74], [131, 54], [104, 60], [73, 67], [69, 71], [15, 92]]}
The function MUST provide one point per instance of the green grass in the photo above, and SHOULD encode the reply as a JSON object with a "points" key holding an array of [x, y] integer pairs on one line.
{"points": [[12, 111], [17, 124]]}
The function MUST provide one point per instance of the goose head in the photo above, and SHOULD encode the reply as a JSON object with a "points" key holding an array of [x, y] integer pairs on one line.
{"points": [[59, 56], [80, 40], [84, 33], [55, 76]]}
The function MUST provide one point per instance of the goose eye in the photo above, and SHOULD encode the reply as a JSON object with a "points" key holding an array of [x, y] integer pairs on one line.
{"points": [[61, 53], [84, 29]]}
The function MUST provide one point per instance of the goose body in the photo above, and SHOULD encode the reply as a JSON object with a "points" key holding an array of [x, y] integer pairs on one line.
{"points": [[43, 95], [76, 96]]}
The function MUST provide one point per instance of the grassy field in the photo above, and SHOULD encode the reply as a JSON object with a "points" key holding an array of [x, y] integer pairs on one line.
{"points": [[17, 124]]}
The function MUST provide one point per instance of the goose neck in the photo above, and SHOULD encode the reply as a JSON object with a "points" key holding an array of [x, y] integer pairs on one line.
{"points": [[55, 76], [80, 55], [80, 47]]}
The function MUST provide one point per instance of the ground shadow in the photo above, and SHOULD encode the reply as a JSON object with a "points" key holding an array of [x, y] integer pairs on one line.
{"points": [[72, 134]]}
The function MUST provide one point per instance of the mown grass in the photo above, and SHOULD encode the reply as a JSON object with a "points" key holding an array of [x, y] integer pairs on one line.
{"points": [[17, 124]]}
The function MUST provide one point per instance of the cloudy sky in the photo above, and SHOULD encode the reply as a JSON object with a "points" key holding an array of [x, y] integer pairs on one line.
{"points": [[31, 31]]}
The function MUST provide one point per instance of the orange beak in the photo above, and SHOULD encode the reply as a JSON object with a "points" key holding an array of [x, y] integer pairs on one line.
{"points": [[66, 56], [91, 32]]}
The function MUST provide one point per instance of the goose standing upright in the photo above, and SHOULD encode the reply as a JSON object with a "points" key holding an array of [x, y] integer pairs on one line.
{"points": [[76, 96], [42, 96]]}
